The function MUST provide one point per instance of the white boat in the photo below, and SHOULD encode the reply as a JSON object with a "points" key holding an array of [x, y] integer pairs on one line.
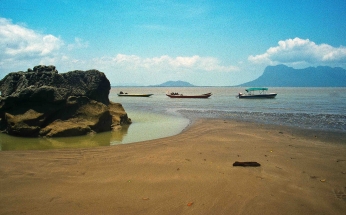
{"points": [[257, 93]]}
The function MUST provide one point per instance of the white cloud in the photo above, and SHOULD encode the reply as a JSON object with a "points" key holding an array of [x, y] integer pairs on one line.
{"points": [[124, 68], [301, 52], [21, 47], [20, 43], [164, 63]]}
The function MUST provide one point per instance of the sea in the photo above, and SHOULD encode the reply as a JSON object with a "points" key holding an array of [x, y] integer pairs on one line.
{"points": [[159, 116]]}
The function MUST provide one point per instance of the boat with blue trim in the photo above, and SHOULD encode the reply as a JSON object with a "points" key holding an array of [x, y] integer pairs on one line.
{"points": [[256, 93]]}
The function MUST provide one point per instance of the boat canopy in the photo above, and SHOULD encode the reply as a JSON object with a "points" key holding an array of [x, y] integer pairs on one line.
{"points": [[256, 89]]}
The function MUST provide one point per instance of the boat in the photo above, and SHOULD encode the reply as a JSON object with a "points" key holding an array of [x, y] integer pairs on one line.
{"points": [[133, 95], [178, 95], [257, 93]]}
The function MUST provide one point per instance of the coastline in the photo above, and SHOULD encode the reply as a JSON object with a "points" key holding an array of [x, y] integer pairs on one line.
{"points": [[302, 171]]}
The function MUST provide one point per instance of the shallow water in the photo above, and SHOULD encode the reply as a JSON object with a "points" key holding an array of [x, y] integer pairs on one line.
{"points": [[159, 116], [145, 126], [312, 108]]}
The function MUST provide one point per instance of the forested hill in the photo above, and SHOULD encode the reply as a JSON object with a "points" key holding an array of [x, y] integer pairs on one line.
{"points": [[284, 76]]}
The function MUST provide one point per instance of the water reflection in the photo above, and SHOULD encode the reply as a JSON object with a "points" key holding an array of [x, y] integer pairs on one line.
{"points": [[117, 136], [8, 142]]}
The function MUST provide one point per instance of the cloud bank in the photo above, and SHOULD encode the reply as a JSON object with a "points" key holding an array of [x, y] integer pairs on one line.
{"points": [[164, 63], [19, 43], [300, 52]]}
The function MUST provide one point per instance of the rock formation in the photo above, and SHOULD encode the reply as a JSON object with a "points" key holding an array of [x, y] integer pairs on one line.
{"points": [[42, 102]]}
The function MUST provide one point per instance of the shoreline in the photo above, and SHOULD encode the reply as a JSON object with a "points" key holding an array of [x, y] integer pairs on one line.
{"points": [[325, 135], [276, 122], [301, 172]]}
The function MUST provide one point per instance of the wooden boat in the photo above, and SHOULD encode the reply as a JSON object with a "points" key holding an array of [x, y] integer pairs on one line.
{"points": [[262, 93], [177, 95], [133, 95]]}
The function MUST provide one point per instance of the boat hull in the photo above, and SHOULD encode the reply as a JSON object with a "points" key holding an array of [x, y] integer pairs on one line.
{"points": [[135, 95], [260, 96], [203, 96]]}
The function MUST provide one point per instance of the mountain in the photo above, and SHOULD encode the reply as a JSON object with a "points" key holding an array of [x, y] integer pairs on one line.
{"points": [[174, 84], [284, 76]]}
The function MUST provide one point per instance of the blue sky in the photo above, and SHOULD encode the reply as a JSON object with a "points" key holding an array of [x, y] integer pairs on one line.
{"points": [[146, 42]]}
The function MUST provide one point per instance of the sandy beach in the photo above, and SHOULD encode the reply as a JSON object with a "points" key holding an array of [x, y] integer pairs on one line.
{"points": [[301, 172]]}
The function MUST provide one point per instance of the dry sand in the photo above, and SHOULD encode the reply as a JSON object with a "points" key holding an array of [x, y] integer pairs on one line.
{"points": [[190, 173]]}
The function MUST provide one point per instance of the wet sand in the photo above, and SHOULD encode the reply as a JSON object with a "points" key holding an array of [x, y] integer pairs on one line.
{"points": [[301, 172]]}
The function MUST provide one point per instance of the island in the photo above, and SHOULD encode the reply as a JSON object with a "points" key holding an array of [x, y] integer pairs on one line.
{"points": [[174, 84]]}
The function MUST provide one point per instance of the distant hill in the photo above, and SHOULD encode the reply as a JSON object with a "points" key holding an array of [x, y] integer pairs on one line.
{"points": [[284, 76], [174, 84]]}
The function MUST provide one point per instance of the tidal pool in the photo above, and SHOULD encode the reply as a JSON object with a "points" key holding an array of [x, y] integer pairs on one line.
{"points": [[145, 126]]}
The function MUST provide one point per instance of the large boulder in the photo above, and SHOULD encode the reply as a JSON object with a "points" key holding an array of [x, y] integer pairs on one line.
{"points": [[42, 102]]}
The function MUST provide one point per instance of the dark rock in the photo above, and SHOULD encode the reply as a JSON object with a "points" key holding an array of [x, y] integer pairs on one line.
{"points": [[42, 102], [34, 86], [246, 164]]}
